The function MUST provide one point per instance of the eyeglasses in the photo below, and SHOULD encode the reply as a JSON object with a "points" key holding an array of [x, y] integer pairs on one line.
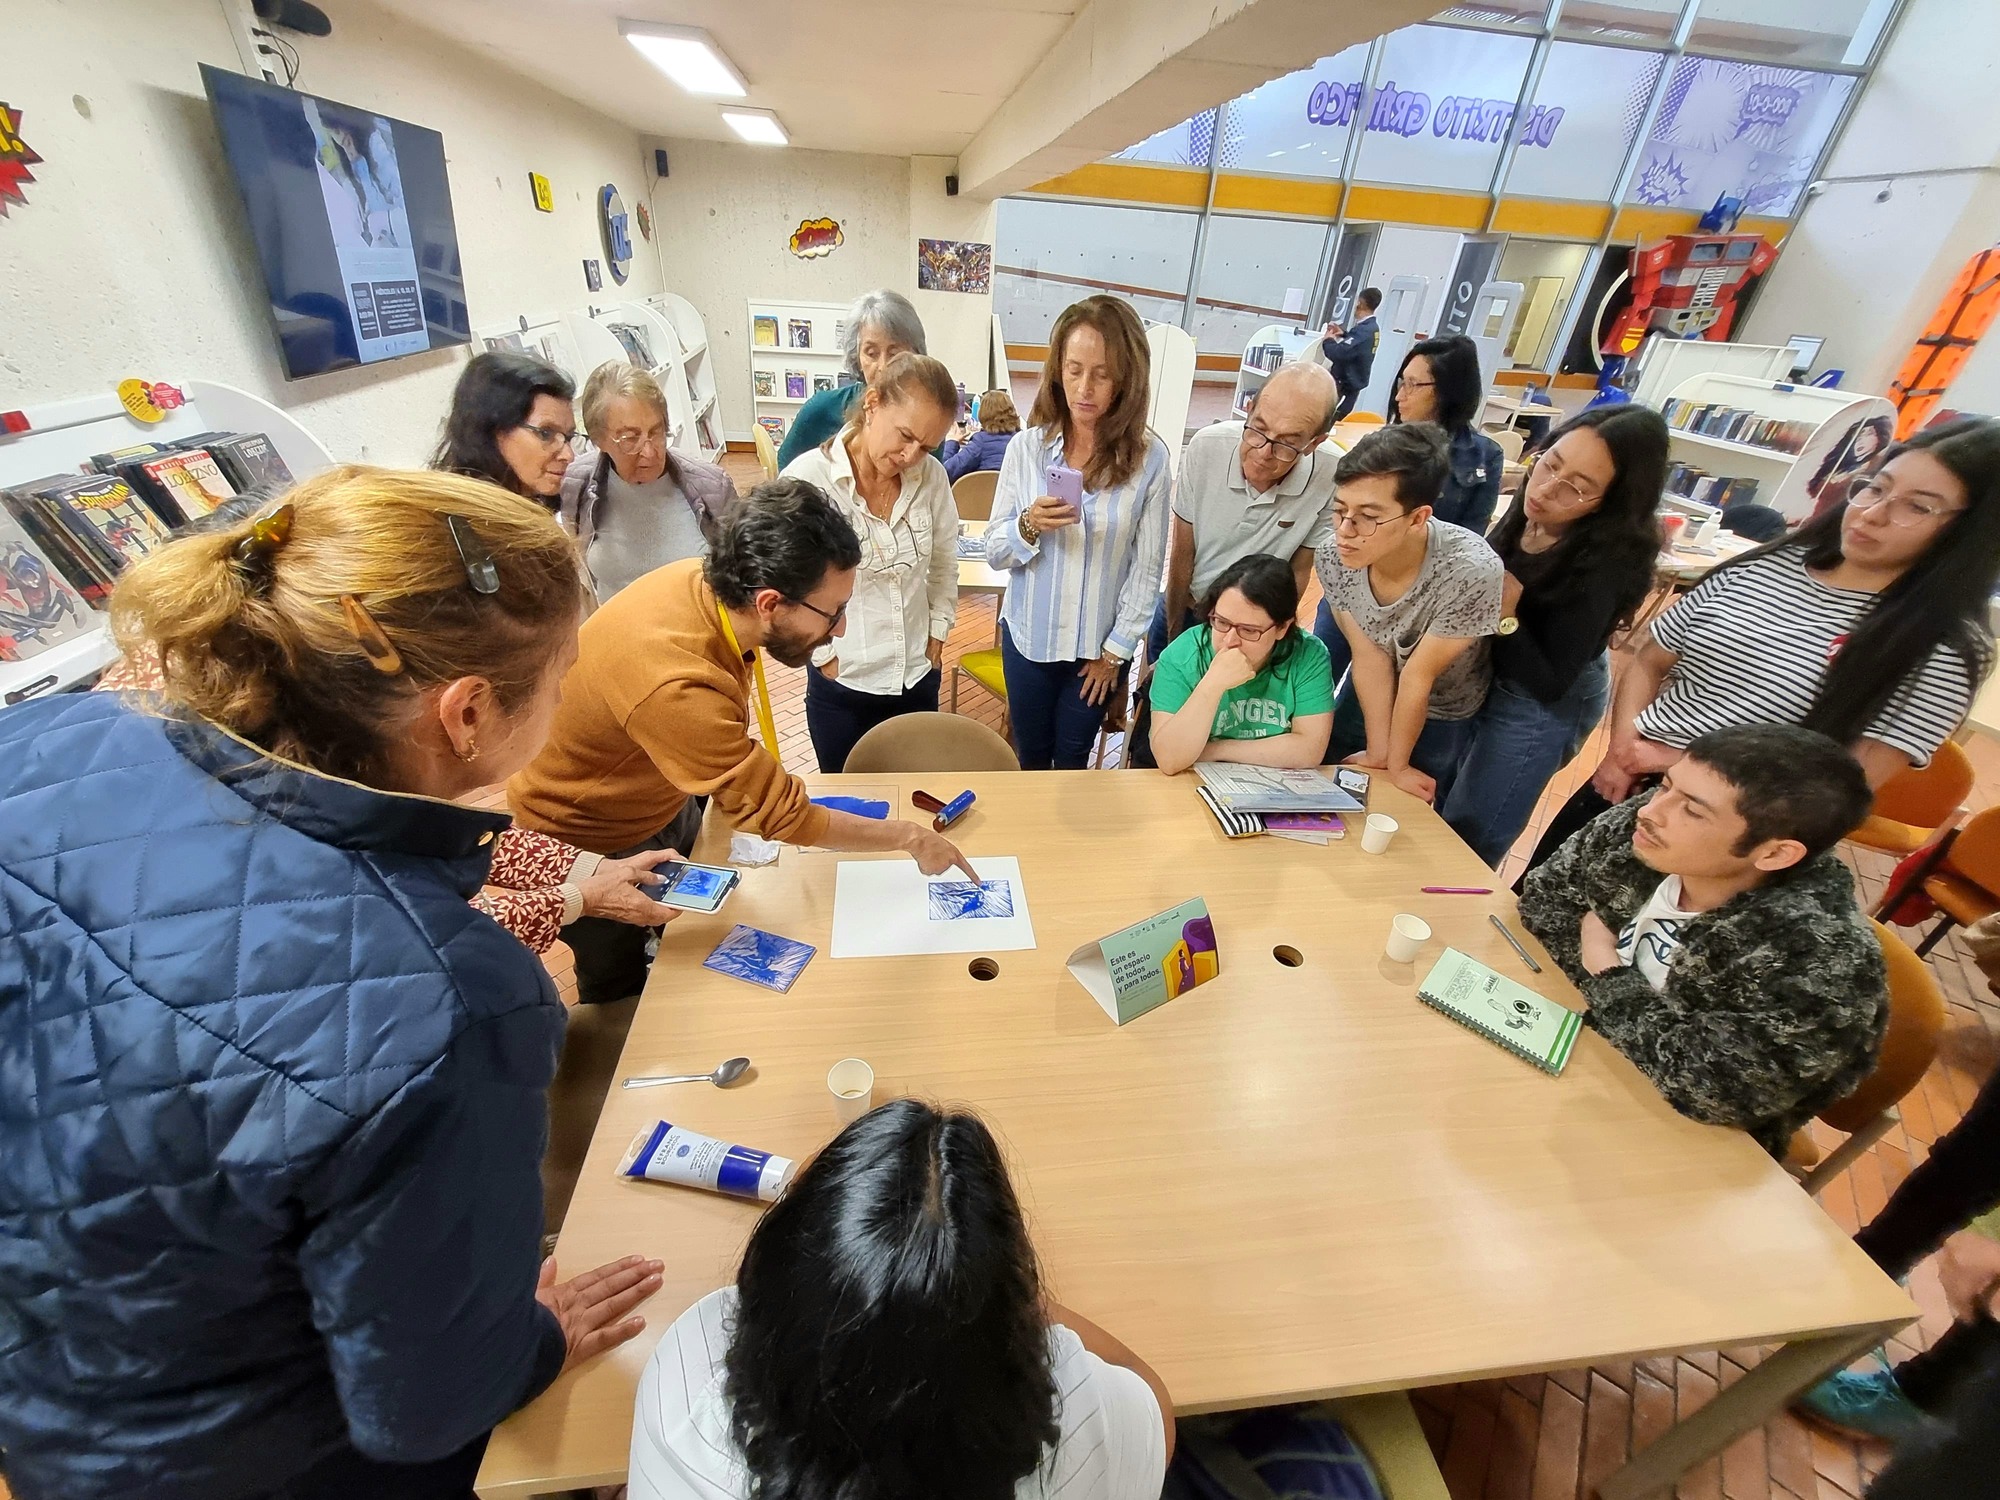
{"points": [[1404, 383], [1362, 525], [1903, 511], [1260, 440], [552, 437], [1251, 633], [629, 443], [832, 620], [1558, 480]]}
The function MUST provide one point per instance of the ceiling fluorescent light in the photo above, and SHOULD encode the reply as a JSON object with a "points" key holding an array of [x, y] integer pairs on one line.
{"points": [[689, 56], [758, 126]]}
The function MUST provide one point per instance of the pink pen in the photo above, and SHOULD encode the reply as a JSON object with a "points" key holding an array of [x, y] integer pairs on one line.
{"points": [[1458, 890]]}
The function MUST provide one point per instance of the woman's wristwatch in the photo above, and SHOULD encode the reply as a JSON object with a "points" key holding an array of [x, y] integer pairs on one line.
{"points": [[1030, 532]]}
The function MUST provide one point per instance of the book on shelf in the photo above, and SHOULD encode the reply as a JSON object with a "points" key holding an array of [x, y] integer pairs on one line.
{"points": [[775, 426], [106, 515], [633, 340], [764, 382], [795, 384], [822, 383], [39, 608], [800, 331], [79, 567], [250, 459], [193, 481], [763, 332]]}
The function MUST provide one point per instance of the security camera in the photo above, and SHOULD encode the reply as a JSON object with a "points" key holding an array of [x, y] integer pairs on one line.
{"points": [[1815, 187]]}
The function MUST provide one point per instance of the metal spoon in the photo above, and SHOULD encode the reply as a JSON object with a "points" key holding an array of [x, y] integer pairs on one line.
{"points": [[722, 1077]]}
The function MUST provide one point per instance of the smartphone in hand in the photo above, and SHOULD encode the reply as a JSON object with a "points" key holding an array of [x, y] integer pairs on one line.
{"points": [[1061, 482], [694, 887]]}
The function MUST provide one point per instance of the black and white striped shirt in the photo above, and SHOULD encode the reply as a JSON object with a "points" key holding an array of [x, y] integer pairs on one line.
{"points": [[1754, 641]]}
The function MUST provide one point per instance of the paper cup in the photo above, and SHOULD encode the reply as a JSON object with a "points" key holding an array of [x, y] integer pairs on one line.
{"points": [[1672, 527], [852, 1084], [1406, 935], [1377, 831]]}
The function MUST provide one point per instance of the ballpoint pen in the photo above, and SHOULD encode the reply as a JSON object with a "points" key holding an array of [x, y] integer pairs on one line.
{"points": [[1457, 890], [1513, 942]]}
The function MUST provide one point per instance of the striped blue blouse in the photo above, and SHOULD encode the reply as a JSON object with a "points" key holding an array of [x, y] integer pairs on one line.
{"points": [[1088, 589]]}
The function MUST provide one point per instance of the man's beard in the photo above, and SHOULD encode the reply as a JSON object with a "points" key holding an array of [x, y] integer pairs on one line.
{"points": [[792, 650]]}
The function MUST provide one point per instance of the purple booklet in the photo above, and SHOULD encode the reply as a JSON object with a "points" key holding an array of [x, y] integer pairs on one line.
{"points": [[1326, 823]]}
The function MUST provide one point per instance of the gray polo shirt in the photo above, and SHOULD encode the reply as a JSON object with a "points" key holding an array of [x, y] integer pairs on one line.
{"points": [[1229, 522]]}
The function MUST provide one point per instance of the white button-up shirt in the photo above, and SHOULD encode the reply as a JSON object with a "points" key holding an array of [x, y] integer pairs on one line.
{"points": [[906, 589]]}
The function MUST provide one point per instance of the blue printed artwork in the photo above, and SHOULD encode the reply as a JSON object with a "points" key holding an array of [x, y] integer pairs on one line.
{"points": [[760, 957], [955, 900]]}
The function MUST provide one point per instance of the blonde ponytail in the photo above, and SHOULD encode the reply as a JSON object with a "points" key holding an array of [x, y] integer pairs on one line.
{"points": [[261, 637]]}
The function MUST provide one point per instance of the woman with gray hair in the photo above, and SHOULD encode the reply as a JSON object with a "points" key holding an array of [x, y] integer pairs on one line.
{"points": [[881, 325], [632, 505]]}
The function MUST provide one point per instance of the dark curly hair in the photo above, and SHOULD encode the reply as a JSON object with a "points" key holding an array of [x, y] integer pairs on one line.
{"points": [[1271, 585], [1621, 537], [889, 1341], [783, 535], [495, 392]]}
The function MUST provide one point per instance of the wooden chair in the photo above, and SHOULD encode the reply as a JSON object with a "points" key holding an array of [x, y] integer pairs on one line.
{"points": [[973, 494], [1961, 874], [930, 742], [767, 451], [1511, 440], [1917, 806], [1909, 1046]]}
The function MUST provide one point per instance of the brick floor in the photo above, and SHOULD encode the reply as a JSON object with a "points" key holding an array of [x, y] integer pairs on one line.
{"points": [[1554, 1437]]}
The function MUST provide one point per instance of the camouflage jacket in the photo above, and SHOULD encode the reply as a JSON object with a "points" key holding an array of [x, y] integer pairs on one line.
{"points": [[1774, 1005]]}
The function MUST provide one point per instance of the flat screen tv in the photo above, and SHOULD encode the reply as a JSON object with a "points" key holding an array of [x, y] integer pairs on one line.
{"points": [[351, 212]]}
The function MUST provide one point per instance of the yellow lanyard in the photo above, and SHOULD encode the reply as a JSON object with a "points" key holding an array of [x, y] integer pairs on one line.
{"points": [[764, 720]]}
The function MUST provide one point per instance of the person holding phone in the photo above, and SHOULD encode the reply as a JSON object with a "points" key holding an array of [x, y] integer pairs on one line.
{"points": [[1080, 520]]}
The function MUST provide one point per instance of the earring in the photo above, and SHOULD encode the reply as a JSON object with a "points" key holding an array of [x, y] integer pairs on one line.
{"points": [[469, 754]]}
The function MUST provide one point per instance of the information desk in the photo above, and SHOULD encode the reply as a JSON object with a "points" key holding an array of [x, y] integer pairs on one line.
{"points": [[1294, 1181]]}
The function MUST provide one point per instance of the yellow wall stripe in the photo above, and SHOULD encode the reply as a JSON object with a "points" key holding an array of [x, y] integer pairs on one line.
{"points": [[1126, 182], [1302, 197], [1551, 219], [1417, 206]]}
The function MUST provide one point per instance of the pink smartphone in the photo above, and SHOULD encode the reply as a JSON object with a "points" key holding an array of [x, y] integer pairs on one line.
{"points": [[1064, 483]]}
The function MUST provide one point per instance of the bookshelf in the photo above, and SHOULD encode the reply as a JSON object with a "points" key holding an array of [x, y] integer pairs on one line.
{"points": [[815, 363], [1269, 347], [63, 435], [1740, 430], [693, 388]]}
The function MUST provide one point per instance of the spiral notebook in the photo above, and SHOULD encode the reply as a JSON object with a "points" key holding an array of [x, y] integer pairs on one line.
{"points": [[1502, 1011]]}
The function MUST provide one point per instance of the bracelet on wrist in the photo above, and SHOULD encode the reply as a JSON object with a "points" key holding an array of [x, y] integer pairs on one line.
{"points": [[1030, 532]]}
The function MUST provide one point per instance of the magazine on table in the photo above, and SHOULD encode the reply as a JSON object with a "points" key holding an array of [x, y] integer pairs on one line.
{"points": [[1270, 789]]}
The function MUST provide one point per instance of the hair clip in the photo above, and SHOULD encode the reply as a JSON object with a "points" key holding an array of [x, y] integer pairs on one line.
{"points": [[268, 533], [375, 644], [480, 571]]}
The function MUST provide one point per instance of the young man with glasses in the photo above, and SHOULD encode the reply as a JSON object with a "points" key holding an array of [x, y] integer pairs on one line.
{"points": [[1413, 598], [659, 708], [633, 505], [1257, 486]]}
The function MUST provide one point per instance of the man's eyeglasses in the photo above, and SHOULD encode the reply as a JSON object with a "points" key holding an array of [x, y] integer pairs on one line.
{"points": [[1359, 524], [629, 443], [832, 620], [1260, 440], [1902, 510], [552, 437], [1251, 633]]}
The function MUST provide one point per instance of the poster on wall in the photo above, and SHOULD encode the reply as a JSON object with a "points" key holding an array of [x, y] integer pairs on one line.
{"points": [[816, 238], [15, 159], [612, 225], [362, 185], [954, 266], [545, 196], [1740, 129]]}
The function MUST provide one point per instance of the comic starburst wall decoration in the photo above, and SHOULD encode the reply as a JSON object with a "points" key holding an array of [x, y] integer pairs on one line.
{"points": [[15, 159]]}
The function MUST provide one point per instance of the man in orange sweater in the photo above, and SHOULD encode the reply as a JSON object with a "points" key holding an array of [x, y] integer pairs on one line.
{"points": [[656, 712]]}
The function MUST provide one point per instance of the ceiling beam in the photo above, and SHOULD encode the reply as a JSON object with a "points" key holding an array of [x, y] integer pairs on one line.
{"points": [[1128, 68]]}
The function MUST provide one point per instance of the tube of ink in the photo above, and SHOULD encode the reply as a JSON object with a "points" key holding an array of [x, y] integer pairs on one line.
{"points": [[673, 1153]]}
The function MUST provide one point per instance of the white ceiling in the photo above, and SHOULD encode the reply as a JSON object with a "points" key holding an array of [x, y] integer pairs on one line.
{"points": [[895, 77]]}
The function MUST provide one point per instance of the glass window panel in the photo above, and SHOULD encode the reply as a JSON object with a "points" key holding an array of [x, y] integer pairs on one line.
{"points": [[1515, 15], [1803, 33], [1249, 268], [1296, 126], [1588, 106], [1048, 254], [1736, 129], [1182, 145], [1639, 23], [1442, 107]]}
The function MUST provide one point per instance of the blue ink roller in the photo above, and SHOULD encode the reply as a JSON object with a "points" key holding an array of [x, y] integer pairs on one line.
{"points": [[948, 813]]}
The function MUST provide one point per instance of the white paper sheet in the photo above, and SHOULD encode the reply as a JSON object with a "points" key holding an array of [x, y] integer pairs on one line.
{"points": [[882, 909]]}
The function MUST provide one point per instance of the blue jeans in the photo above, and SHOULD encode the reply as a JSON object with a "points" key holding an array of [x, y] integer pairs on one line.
{"points": [[1330, 637], [1053, 727], [1518, 743], [1439, 747]]}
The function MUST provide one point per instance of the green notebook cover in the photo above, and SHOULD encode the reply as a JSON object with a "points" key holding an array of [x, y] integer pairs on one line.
{"points": [[1501, 1010]]}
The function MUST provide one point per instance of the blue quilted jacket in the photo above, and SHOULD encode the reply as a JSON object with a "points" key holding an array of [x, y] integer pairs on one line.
{"points": [[271, 1113]]}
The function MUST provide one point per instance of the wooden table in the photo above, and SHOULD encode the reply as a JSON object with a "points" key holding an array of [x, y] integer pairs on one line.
{"points": [[1293, 1182]]}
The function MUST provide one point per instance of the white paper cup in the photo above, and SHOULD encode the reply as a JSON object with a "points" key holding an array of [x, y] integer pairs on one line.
{"points": [[1406, 935], [852, 1084], [1377, 831]]}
